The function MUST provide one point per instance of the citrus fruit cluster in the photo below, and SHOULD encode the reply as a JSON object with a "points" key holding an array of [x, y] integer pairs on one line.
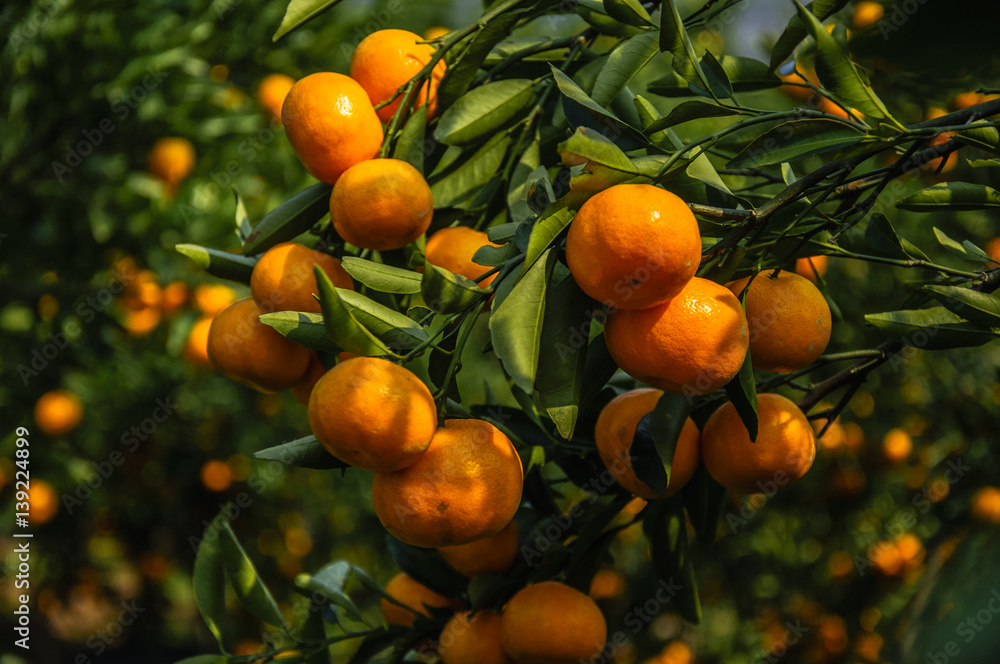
{"points": [[636, 249]]}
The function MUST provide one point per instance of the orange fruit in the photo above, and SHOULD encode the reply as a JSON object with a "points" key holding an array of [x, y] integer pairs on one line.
{"points": [[372, 414], [811, 267], [783, 452], [607, 583], [142, 322], [885, 558], [171, 159], [210, 299], [951, 160], [386, 60], [993, 249], [964, 100], [303, 389], [552, 623], [453, 248], [43, 502], [381, 204], [615, 429], [866, 14], [986, 505], [143, 291], [465, 487], [473, 639], [675, 652], [693, 344], [216, 475], [435, 32], [897, 445], [252, 353], [196, 346], [58, 412], [493, 554], [272, 92], [911, 550], [789, 320], [331, 124], [175, 294], [633, 246], [934, 112], [283, 278], [406, 590], [798, 91]]}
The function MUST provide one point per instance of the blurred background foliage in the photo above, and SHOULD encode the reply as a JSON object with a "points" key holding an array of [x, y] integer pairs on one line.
{"points": [[877, 555]]}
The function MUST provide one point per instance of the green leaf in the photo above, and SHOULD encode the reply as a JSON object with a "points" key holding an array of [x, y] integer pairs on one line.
{"points": [[529, 160], [974, 306], [715, 76], [687, 111], [470, 177], [381, 277], [221, 264], [243, 577], [565, 334], [300, 12], [304, 328], [674, 39], [630, 12], [516, 324], [882, 239], [742, 389], [410, 146], [313, 629], [965, 249], [596, 15], [744, 75], [796, 30], [932, 329], [582, 111], [545, 231], [984, 138], [484, 110], [599, 162], [625, 61], [397, 330], [491, 256], [209, 579], [328, 583], [951, 196], [345, 330], [665, 528], [462, 71], [446, 292], [796, 140], [426, 566], [304, 452], [838, 74], [290, 219], [705, 500], [655, 440], [243, 226]]}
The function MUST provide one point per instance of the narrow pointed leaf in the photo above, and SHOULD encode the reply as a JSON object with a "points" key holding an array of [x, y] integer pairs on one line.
{"points": [[796, 30], [243, 577], [209, 579], [300, 12], [796, 140], [304, 328], [221, 264], [624, 62], [980, 308], [687, 111], [630, 12], [301, 453], [484, 110], [290, 219], [411, 145], [381, 277], [446, 292], [744, 75], [932, 329], [582, 111], [951, 196], [345, 330]]}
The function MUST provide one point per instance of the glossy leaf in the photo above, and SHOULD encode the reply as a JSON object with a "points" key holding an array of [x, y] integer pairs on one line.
{"points": [[836, 71], [516, 324], [242, 220], [655, 440], [209, 579], [742, 389], [446, 292], [630, 12], [345, 330], [582, 111], [744, 74], [965, 249], [932, 329], [951, 196], [484, 110], [459, 184], [881, 237], [381, 277], [796, 29], [221, 264], [243, 577], [304, 328], [396, 329], [304, 452], [715, 76], [796, 140], [545, 231], [565, 335], [687, 111], [411, 146], [300, 12], [624, 62], [290, 219], [980, 308]]}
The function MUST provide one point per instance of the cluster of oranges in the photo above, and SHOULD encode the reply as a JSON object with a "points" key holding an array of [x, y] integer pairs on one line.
{"points": [[636, 249], [144, 302]]}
